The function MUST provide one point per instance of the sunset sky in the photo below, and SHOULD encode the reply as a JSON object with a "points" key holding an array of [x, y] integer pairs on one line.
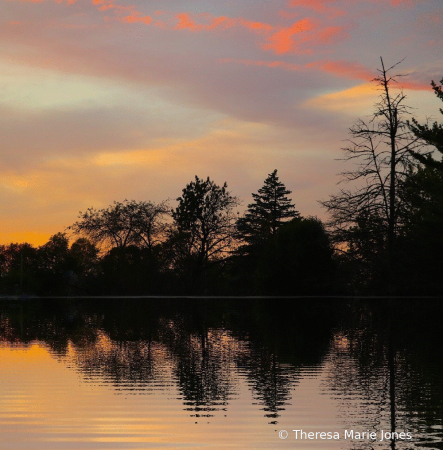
{"points": [[104, 100]]}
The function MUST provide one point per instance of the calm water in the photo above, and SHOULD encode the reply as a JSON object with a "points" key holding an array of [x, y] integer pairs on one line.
{"points": [[203, 374]]}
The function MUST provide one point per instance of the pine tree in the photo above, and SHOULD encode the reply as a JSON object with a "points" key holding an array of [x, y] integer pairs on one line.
{"points": [[270, 209], [430, 135]]}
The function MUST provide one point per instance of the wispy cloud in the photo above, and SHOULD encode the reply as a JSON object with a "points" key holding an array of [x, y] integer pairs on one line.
{"points": [[105, 99]]}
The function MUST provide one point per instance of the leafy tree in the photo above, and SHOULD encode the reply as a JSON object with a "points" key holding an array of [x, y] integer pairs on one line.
{"points": [[297, 260], [123, 224], [84, 263], [18, 267], [13, 256], [54, 254], [381, 151], [270, 209], [205, 215], [204, 223], [54, 265], [84, 254]]}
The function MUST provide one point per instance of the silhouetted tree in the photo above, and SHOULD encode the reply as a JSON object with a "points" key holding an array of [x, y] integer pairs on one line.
{"points": [[54, 267], [54, 254], [18, 268], [297, 260], [430, 135], [83, 262], [84, 254], [422, 242], [123, 224], [270, 209], [204, 221], [381, 150]]}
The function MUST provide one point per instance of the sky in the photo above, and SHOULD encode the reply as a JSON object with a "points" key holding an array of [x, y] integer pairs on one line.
{"points": [[104, 100]]}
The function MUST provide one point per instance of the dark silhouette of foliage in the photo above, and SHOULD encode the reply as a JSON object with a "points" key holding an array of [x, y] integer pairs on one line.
{"points": [[54, 254], [123, 224], [54, 268], [130, 271], [204, 223], [430, 135], [421, 245], [270, 209], [422, 242], [205, 214], [18, 267], [84, 255], [297, 260], [55, 273]]}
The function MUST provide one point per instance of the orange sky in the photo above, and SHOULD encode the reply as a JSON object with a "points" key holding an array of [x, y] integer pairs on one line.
{"points": [[105, 100]]}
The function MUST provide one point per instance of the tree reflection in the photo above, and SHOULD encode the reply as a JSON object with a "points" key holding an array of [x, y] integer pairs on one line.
{"points": [[203, 349], [271, 382], [383, 371], [204, 367]]}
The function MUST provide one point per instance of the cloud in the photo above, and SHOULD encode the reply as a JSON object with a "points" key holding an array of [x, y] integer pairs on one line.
{"points": [[136, 18], [129, 99], [341, 69], [360, 97], [47, 195], [283, 40], [345, 69]]}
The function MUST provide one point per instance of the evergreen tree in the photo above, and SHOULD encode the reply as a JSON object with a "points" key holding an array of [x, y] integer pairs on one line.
{"points": [[422, 240], [270, 209], [430, 135]]}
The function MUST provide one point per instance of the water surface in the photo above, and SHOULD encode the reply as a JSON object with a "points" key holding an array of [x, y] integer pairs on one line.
{"points": [[142, 374]]}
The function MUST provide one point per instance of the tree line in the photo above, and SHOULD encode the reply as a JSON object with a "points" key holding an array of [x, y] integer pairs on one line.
{"points": [[384, 235]]}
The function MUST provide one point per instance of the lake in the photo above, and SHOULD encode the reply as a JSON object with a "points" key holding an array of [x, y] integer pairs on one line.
{"points": [[221, 373]]}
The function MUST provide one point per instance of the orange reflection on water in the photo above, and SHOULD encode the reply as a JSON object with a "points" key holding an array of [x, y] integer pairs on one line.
{"points": [[75, 399]]}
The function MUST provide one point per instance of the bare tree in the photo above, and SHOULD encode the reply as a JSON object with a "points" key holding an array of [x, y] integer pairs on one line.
{"points": [[381, 150]]}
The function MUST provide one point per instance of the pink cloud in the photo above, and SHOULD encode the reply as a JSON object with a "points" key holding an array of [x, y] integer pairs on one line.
{"points": [[330, 35], [136, 18], [278, 39], [282, 41], [106, 5], [255, 26], [185, 21]]}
